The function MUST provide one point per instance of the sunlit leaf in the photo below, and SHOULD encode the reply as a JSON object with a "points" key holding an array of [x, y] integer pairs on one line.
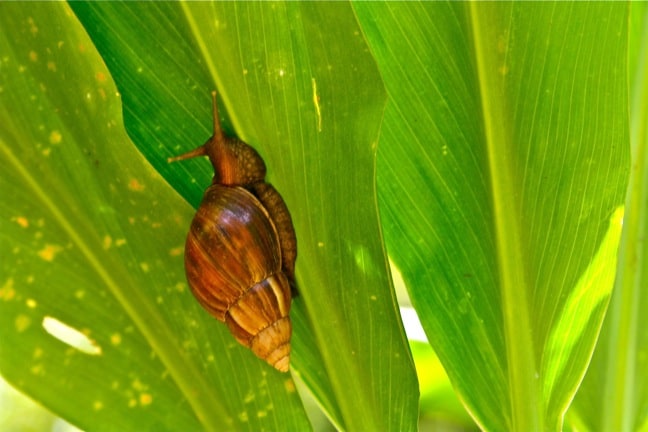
{"points": [[614, 393], [97, 322], [501, 169], [311, 103]]}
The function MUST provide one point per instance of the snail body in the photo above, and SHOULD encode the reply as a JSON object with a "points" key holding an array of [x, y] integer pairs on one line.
{"points": [[241, 249]]}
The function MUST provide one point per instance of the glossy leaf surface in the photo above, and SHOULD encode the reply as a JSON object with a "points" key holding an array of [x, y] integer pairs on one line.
{"points": [[501, 170], [302, 100]]}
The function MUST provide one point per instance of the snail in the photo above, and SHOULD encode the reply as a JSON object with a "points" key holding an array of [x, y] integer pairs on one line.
{"points": [[241, 249]]}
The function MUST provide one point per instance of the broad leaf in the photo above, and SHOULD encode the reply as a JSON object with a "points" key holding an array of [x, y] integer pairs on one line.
{"points": [[311, 103], [502, 168], [92, 240], [614, 393]]}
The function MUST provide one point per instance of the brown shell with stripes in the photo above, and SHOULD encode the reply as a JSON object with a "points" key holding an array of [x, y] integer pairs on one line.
{"points": [[241, 249]]}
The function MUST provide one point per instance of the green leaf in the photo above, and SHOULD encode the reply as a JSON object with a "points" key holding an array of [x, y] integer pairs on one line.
{"points": [[502, 169], [93, 237], [614, 393], [309, 101]]}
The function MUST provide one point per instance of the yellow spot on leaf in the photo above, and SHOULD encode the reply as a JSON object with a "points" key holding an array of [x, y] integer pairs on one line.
{"points": [[115, 339], [316, 100], [107, 242], [145, 399], [7, 291], [22, 323], [289, 385], [135, 185], [48, 253], [32, 26], [138, 385], [55, 137], [22, 221], [97, 405], [31, 303], [33, 56], [51, 66], [176, 251]]}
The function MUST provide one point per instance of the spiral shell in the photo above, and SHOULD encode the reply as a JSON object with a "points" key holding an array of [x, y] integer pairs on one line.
{"points": [[241, 249]]}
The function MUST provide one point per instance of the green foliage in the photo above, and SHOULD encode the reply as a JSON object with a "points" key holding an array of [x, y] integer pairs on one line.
{"points": [[513, 211], [614, 393], [491, 138]]}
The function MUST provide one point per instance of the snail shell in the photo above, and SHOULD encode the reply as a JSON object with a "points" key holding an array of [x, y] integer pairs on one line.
{"points": [[241, 249]]}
